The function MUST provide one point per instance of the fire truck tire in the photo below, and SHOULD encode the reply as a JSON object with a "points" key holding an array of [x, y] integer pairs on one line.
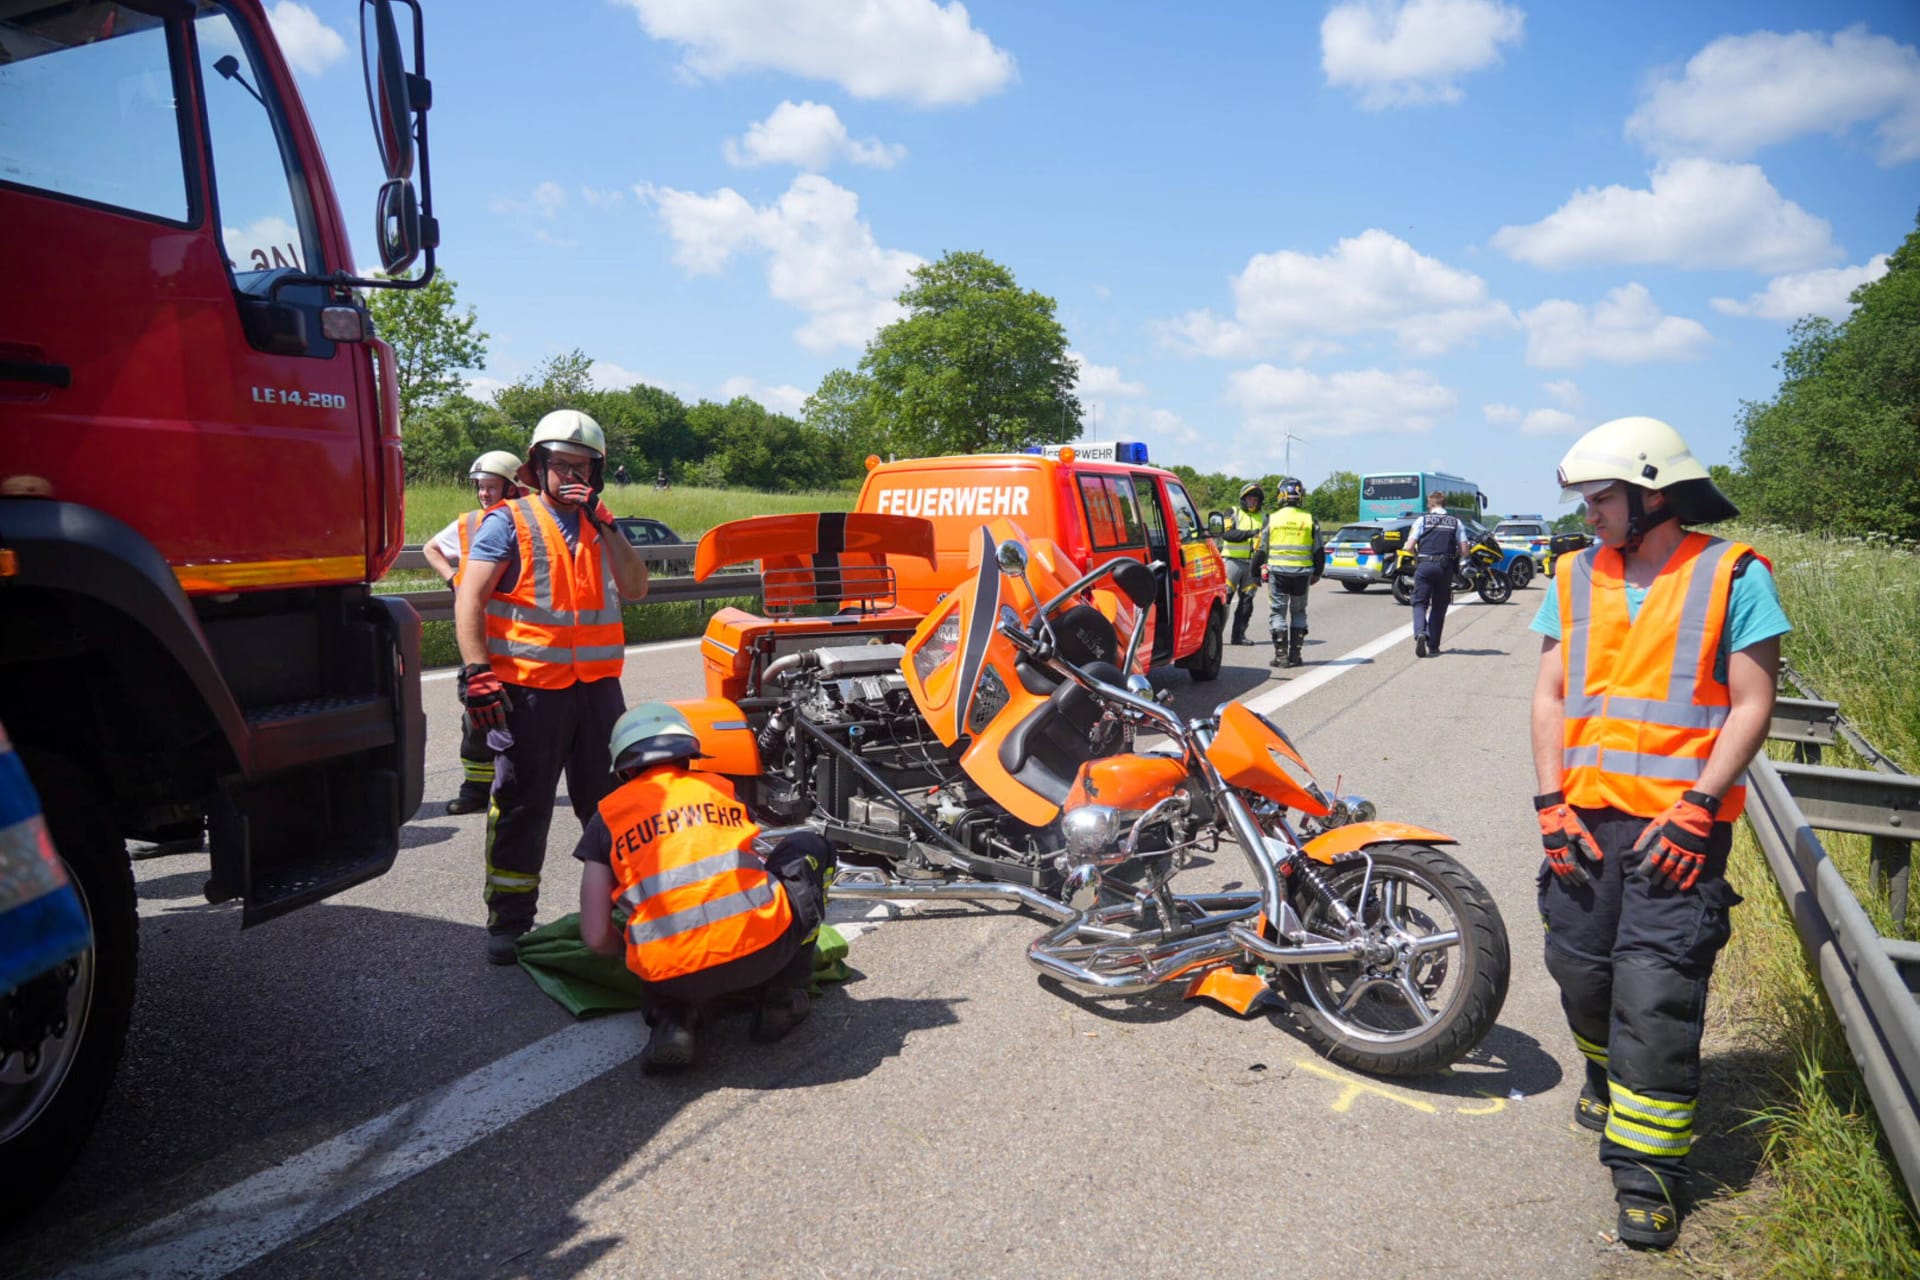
{"points": [[1204, 665], [45, 1118]]}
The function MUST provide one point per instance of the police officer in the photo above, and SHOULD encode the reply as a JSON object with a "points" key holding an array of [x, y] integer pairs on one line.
{"points": [[1241, 535], [1437, 542], [1296, 557], [708, 914], [495, 480], [537, 616], [1655, 689]]}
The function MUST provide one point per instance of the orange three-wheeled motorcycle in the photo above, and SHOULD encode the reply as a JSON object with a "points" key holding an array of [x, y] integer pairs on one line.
{"points": [[987, 751]]}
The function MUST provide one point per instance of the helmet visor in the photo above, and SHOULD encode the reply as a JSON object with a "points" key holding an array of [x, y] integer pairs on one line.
{"points": [[1583, 490]]}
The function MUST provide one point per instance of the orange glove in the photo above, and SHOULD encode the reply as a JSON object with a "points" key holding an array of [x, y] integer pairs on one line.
{"points": [[1565, 838], [1676, 842]]}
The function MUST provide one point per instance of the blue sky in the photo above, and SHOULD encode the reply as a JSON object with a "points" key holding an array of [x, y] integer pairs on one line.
{"points": [[1430, 233]]}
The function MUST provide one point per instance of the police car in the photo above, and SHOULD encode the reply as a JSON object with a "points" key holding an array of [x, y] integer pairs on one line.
{"points": [[1528, 534], [1350, 558]]}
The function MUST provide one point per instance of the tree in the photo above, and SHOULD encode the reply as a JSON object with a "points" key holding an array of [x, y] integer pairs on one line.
{"points": [[1838, 449], [431, 343], [977, 365], [1336, 500]]}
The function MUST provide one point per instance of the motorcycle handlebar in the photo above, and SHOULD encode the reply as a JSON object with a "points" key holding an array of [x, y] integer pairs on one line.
{"points": [[1144, 707]]}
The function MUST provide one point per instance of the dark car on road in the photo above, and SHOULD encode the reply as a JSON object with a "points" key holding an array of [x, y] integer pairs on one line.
{"points": [[646, 533]]}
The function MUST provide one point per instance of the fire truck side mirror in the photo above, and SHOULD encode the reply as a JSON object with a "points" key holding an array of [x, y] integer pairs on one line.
{"points": [[1216, 523], [387, 97], [398, 225]]}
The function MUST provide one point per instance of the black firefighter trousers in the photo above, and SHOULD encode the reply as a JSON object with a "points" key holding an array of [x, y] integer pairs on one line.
{"points": [[549, 733], [1632, 958], [800, 863]]}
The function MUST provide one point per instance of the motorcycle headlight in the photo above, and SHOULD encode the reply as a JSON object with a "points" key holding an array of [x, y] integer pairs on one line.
{"points": [[1347, 810], [939, 649], [1090, 830]]}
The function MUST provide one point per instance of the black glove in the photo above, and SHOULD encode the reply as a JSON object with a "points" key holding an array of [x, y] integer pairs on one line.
{"points": [[484, 696]]}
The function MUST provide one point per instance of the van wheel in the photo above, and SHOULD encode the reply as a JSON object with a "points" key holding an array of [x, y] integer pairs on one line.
{"points": [[1205, 665], [64, 1031], [1355, 587]]}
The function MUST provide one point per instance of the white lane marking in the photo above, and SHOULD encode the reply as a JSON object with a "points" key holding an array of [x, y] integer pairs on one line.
{"points": [[1273, 699], [250, 1219], [656, 646]]}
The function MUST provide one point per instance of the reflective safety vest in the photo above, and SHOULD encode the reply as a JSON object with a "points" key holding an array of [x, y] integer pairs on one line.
{"points": [[1290, 541], [695, 893], [1251, 524], [561, 622], [1644, 706], [468, 527]]}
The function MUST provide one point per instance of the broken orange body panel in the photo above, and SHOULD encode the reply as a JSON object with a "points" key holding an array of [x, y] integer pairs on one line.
{"points": [[1329, 845]]}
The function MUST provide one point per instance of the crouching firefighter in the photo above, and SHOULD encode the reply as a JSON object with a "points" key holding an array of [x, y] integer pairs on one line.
{"points": [[707, 913]]}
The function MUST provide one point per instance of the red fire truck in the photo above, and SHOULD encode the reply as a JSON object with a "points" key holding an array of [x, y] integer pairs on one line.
{"points": [[200, 477]]}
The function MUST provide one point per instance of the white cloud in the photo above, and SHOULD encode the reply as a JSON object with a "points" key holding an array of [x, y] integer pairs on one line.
{"points": [[485, 388], [263, 244], [1742, 93], [907, 50], [1500, 415], [1101, 380], [546, 200], [1410, 53], [1625, 327], [1697, 214], [1549, 422], [810, 136], [781, 399], [1806, 293], [309, 44], [599, 199], [1355, 402], [1564, 392], [1370, 282], [821, 258]]}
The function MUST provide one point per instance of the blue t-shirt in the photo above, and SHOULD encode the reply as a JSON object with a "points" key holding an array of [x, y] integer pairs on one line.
{"points": [[1753, 612], [497, 541]]}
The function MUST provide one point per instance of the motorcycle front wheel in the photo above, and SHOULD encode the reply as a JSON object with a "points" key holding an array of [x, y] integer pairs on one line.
{"points": [[1495, 587], [1403, 588], [1437, 977]]}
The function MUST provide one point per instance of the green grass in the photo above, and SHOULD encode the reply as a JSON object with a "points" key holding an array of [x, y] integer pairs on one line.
{"points": [[688, 512], [670, 621], [1822, 1195]]}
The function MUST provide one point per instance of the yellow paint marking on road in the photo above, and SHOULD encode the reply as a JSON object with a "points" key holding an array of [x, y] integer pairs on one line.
{"points": [[1355, 1088], [1495, 1105]]}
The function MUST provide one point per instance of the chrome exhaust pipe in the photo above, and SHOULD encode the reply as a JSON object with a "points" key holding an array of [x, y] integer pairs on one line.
{"points": [[961, 891], [1315, 953], [1161, 966]]}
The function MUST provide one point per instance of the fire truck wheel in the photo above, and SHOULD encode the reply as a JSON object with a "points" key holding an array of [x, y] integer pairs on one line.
{"points": [[64, 1031]]}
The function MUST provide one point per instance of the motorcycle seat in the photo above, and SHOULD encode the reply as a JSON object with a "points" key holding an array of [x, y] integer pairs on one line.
{"points": [[1045, 751]]}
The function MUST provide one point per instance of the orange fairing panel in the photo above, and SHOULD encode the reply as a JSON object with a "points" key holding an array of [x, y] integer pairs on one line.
{"points": [[808, 535], [726, 739], [1127, 782], [1249, 750], [1331, 844], [1237, 991]]}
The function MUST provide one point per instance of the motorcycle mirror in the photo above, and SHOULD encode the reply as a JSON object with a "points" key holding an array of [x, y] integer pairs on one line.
{"points": [[1138, 581], [1012, 558], [1216, 523], [1140, 686]]}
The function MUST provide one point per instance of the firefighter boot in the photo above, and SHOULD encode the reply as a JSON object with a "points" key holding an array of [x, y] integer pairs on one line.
{"points": [[670, 1044], [778, 1012], [1294, 640], [1279, 658]]}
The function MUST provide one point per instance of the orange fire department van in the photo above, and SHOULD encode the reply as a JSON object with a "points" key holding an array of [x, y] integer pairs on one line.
{"points": [[1093, 510]]}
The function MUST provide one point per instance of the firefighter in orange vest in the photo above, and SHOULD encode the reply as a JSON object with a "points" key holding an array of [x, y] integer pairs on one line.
{"points": [[1655, 690], [494, 475], [707, 912], [537, 615]]}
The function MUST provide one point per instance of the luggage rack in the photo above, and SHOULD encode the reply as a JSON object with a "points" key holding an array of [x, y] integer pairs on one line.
{"points": [[851, 588]]}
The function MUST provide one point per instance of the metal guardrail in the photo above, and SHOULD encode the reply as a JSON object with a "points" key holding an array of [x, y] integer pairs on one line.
{"points": [[1871, 980], [437, 605]]}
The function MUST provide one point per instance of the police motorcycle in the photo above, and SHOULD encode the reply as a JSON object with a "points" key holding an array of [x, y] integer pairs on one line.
{"points": [[1017, 781], [1487, 568]]}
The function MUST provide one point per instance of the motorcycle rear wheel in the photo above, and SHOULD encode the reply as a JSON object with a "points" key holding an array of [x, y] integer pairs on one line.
{"points": [[1403, 588], [1443, 991]]}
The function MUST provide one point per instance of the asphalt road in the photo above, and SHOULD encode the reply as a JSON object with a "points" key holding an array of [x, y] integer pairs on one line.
{"points": [[351, 1090]]}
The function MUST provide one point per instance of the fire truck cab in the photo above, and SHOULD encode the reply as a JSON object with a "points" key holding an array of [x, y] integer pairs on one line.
{"points": [[200, 480], [1095, 501]]}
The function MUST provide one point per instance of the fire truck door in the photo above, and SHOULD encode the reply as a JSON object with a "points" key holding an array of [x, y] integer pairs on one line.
{"points": [[1160, 550]]}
